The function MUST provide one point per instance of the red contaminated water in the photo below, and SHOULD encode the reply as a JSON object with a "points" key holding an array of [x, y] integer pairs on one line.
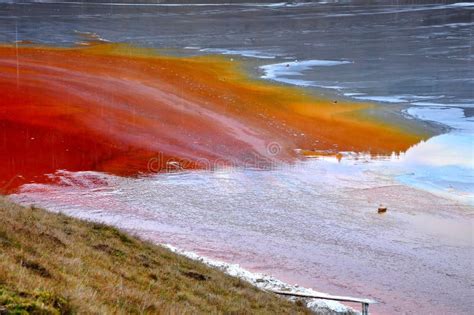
{"points": [[125, 111]]}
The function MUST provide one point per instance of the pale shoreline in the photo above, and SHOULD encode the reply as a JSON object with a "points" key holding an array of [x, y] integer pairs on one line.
{"points": [[269, 283]]}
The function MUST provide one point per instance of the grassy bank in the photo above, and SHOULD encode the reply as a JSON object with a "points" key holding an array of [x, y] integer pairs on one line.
{"points": [[51, 263]]}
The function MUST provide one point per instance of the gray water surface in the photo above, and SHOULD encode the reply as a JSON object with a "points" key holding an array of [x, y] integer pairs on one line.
{"points": [[412, 50]]}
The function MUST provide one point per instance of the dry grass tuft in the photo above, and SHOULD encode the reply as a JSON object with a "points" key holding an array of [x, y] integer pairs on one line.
{"points": [[54, 264]]}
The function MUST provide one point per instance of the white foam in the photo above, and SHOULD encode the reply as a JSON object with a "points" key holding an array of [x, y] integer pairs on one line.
{"points": [[443, 104], [283, 72], [396, 98], [331, 87], [408, 10], [384, 99], [462, 4], [266, 282], [240, 52], [353, 94], [451, 25], [270, 5], [450, 116]]}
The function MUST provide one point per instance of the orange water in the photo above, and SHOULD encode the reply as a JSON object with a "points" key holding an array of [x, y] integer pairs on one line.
{"points": [[123, 110]]}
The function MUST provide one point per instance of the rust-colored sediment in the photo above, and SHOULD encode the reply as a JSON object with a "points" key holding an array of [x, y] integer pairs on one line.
{"points": [[114, 108]]}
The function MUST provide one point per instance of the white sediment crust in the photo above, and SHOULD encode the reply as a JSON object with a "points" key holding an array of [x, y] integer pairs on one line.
{"points": [[287, 72], [266, 282]]}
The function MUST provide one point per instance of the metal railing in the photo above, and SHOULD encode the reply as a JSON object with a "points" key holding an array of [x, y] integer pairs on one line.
{"points": [[365, 302]]}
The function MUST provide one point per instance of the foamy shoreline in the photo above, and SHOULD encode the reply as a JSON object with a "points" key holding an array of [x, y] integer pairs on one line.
{"points": [[267, 282]]}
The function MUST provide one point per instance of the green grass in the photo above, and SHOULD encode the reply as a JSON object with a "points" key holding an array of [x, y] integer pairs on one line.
{"points": [[54, 264]]}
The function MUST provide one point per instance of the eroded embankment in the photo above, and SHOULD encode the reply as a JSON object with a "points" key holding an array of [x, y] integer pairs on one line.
{"points": [[118, 109]]}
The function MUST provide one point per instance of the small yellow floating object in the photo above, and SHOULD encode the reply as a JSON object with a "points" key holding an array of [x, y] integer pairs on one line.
{"points": [[382, 209]]}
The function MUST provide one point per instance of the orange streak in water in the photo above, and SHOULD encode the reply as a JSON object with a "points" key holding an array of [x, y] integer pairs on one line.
{"points": [[112, 108]]}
